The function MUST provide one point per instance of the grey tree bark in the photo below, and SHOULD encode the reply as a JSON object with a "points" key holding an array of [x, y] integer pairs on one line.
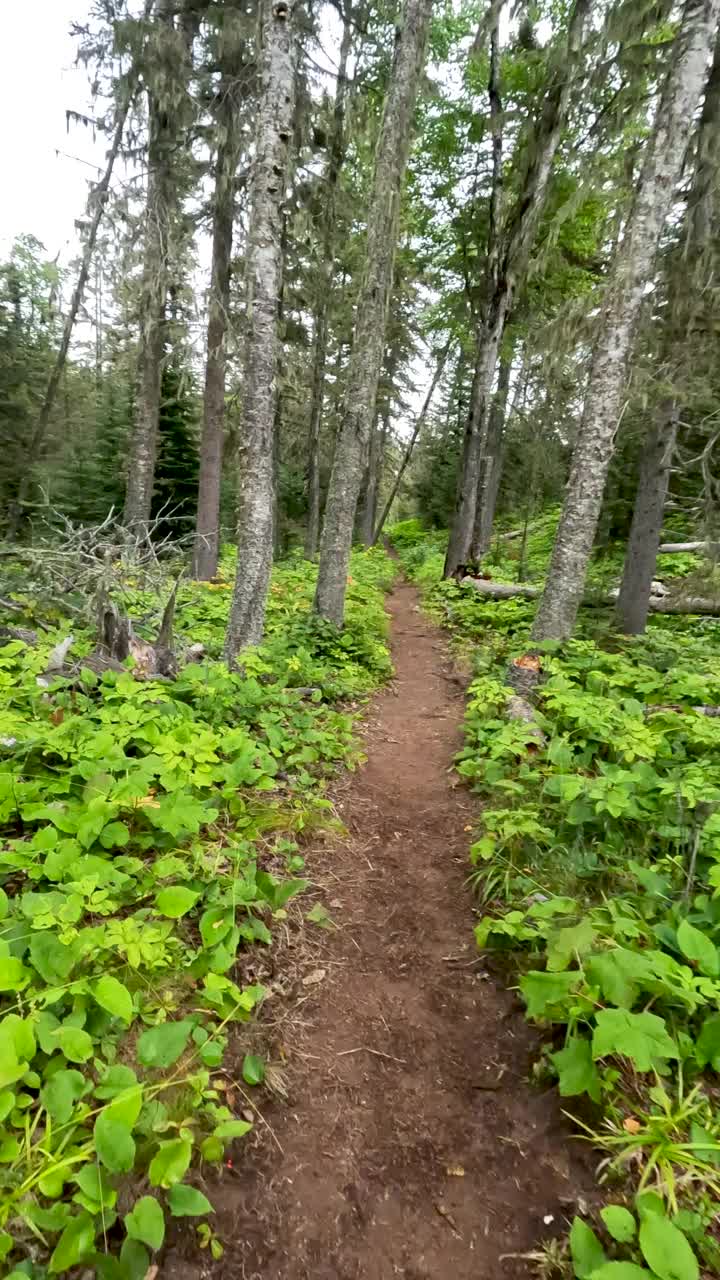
{"points": [[631, 270], [509, 249], [264, 264], [228, 118], [408, 453], [161, 203], [336, 156], [489, 485], [689, 278], [371, 317], [633, 604], [376, 449]]}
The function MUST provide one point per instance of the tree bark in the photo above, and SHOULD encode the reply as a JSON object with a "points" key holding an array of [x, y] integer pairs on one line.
{"points": [[371, 318], [508, 256], [493, 463], [368, 511], [264, 284], [642, 548], [161, 201], [336, 156], [629, 274], [643, 544], [407, 455], [207, 537]]}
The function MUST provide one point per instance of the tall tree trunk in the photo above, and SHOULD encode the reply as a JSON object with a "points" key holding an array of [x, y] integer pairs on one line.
{"points": [[493, 462], [688, 280], [264, 285], [368, 507], [633, 603], [407, 455], [509, 250], [376, 451], [336, 155], [630, 272], [99, 198], [161, 202], [207, 538], [369, 336]]}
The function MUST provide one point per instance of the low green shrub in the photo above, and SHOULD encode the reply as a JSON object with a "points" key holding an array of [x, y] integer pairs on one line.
{"points": [[150, 832]]}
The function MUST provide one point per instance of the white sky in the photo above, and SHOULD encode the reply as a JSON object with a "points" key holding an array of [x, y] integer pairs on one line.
{"points": [[44, 191]]}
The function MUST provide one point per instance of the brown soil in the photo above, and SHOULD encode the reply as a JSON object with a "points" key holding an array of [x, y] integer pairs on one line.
{"points": [[413, 1144]]}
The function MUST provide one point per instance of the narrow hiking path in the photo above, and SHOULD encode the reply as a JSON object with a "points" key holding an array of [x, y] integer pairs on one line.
{"points": [[413, 1145]]}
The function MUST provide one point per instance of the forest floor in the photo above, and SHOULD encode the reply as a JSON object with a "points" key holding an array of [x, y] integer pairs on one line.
{"points": [[412, 1144]]}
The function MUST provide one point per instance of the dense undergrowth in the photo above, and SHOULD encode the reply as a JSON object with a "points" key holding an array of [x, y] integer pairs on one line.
{"points": [[597, 865], [151, 838]]}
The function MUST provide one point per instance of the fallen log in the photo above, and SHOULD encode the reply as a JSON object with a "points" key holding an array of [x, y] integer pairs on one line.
{"points": [[658, 604], [674, 548]]}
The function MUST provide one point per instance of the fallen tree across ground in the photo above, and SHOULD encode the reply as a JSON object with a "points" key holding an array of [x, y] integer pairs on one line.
{"points": [[658, 604]]}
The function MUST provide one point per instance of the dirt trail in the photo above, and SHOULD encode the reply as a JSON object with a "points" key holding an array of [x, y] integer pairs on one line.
{"points": [[413, 1145]]}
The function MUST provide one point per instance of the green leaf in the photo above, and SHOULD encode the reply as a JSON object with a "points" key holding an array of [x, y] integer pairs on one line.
{"points": [[146, 1222], [576, 1070], [175, 901], [566, 944], [320, 916], [619, 1223], [61, 1093], [114, 997], [170, 1163], [114, 1142], [666, 1250], [542, 990], [232, 1129], [134, 1259], [585, 1248], [253, 1069], [162, 1046], [622, 1271], [116, 1080], [707, 1045], [187, 1202], [642, 1037], [52, 959], [76, 1241], [13, 974], [75, 1043], [212, 1149], [698, 948], [114, 836]]}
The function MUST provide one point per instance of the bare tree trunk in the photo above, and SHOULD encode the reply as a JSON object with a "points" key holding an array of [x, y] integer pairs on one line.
{"points": [[642, 549], [206, 549], [407, 455], [368, 506], [629, 275], [264, 284], [336, 155], [370, 324], [689, 278], [493, 461], [508, 256], [99, 198], [161, 200]]}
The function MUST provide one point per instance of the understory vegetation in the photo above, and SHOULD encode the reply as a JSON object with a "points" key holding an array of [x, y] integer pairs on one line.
{"points": [[152, 838], [597, 873]]}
